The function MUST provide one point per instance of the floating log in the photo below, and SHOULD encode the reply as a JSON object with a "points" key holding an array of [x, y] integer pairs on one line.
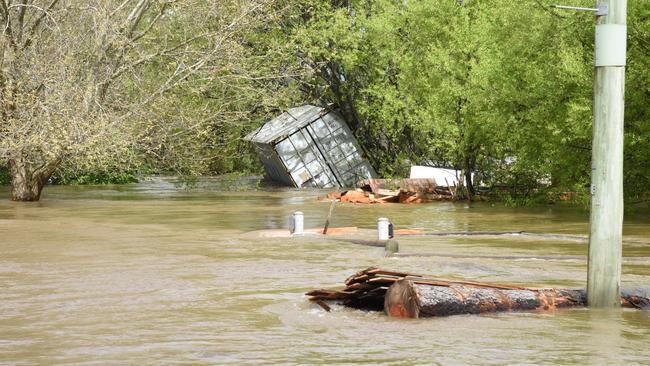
{"points": [[405, 299], [406, 295]]}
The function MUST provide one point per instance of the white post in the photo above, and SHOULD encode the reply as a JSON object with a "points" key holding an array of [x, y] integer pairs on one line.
{"points": [[382, 228], [606, 219], [298, 223]]}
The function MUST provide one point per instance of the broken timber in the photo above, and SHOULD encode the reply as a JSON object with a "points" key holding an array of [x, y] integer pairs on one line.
{"points": [[394, 190], [407, 295]]}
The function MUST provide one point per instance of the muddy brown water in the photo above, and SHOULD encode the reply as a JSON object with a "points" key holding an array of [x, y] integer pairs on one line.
{"points": [[154, 274]]}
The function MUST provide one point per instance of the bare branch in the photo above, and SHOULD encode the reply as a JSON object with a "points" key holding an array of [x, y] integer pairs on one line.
{"points": [[38, 21], [21, 19], [124, 68], [136, 16], [151, 24], [120, 7], [91, 88], [7, 18]]}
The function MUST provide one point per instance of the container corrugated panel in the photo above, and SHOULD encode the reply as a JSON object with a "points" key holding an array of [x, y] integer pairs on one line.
{"points": [[273, 165], [310, 146], [285, 124]]}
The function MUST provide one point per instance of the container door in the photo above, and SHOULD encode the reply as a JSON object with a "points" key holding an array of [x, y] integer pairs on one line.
{"points": [[341, 149], [304, 162]]}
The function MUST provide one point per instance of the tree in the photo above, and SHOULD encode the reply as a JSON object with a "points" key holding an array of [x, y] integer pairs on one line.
{"points": [[637, 94], [499, 88], [104, 81]]}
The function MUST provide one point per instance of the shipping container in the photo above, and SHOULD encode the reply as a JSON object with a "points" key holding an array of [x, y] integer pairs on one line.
{"points": [[310, 146]]}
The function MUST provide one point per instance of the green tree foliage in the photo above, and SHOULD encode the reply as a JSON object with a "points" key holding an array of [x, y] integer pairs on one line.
{"points": [[502, 88], [5, 177], [498, 88], [207, 116], [637, 98]]}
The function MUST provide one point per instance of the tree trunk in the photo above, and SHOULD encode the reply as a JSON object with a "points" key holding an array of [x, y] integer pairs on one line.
{"points": [[406, 299], [406, 295], [27, 182], [469, 167]]}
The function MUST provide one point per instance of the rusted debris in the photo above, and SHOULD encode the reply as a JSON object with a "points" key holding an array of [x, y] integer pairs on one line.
{"points": [[407, 295], [334, 230], [409, 232], [394, 190], [359, 196]]}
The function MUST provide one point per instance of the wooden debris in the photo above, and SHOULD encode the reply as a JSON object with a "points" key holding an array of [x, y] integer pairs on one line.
{"points": [[409, 197], [409, 232], [333, 231], [406, 295], [355, 197], [333, 196], [394, 190], [386, 192], [424, 185], [329, 217], [323, 305], [359, 196], [415, 190]]}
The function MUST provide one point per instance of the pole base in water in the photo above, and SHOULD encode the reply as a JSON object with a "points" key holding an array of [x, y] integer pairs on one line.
{"points": [[392, 247]]}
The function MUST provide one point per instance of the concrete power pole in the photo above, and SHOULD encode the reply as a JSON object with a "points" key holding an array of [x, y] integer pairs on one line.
{"points": [[606, 221]]}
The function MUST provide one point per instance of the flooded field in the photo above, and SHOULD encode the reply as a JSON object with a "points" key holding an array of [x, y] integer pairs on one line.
{"points": [[153, 274]]}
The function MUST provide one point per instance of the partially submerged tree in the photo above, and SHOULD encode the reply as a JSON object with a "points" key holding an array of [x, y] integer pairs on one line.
{"points": [[96, 80]]}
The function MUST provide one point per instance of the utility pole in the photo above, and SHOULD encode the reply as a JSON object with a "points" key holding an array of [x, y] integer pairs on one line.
{"points": [[606, 219]]}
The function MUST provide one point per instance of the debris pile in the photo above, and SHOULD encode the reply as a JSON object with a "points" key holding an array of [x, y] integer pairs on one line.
{"points": [[419, 190], [408, 295], [361, 196]]}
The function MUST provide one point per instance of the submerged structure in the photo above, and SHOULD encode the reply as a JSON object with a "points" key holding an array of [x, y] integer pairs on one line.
{"points": [[310, 146]]}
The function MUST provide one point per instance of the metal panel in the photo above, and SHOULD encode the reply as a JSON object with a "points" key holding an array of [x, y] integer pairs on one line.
{"points": [[285, 124], [310, 147], [342, 150], [611, 43], [273, 165], [305, 164]]}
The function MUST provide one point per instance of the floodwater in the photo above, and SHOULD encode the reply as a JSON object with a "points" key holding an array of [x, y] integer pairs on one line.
{"points": [[150, 274]]}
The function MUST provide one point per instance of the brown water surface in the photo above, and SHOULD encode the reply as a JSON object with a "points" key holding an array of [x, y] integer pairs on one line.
{"points": [[153, 274]]}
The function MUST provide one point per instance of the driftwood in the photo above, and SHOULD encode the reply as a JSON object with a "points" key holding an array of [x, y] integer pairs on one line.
{"points": [[408, 295]]}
